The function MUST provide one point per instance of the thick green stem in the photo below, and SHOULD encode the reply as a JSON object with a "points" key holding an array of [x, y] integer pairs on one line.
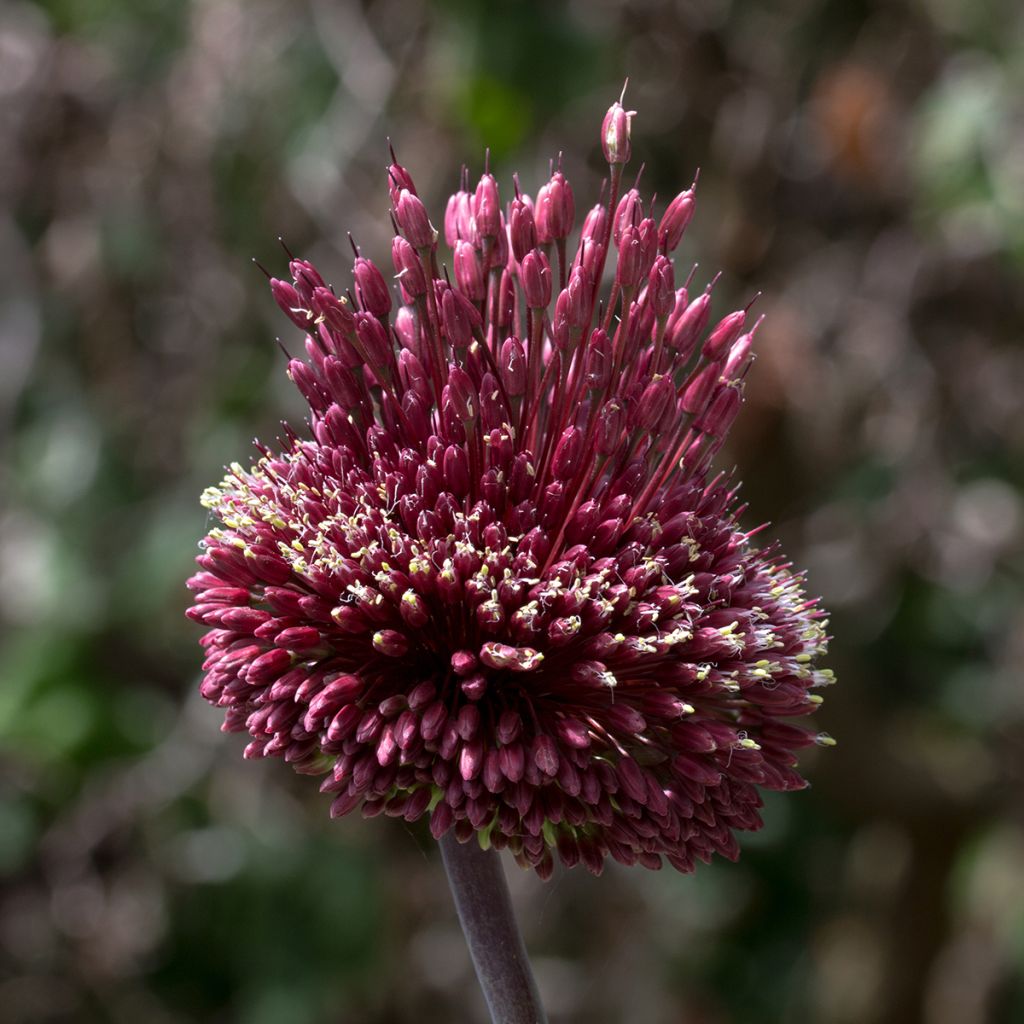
{"points": [[495, 945]]}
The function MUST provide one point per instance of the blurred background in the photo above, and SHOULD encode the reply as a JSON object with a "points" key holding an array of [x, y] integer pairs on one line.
{"points": [[862, 164]]}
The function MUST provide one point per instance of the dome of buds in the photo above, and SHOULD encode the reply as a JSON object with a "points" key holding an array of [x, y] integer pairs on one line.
{"points": [[497, 582]]}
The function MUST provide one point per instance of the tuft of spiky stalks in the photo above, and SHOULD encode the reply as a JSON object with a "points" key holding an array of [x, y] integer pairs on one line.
{"points": [[499, 583]]}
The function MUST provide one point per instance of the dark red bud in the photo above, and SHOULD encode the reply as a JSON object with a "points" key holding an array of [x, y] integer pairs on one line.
{"points": [[598, 365], [513, 366], [462, 394], [568, 454]]}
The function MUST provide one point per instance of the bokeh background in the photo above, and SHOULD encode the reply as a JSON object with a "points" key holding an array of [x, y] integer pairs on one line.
{"points": [[862, 164]]}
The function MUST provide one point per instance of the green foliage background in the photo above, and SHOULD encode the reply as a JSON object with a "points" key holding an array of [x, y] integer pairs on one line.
{"points": [[862, 164]]}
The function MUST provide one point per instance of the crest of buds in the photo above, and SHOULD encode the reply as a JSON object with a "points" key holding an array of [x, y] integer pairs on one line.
{"points": [[498, 584]]}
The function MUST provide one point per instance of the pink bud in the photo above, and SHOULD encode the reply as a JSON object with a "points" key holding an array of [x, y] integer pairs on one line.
{"points": [[399, 179], [521, 228], [411, 215], [718, 417], [595, 224], [408, 267], [468, 273], [487, 207], [556, 209], [615, 134], [630, 266], [288, 299], [373, 340], [661, 287], [598, 364], [699, 388], [371, 288], [652, 403], [675, 220], [456, 324], [726, 331], [535, 276], [683, 336], [628, 213]]}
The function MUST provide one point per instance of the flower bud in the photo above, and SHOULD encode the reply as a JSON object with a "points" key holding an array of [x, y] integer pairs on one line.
{"points": [[568, 453], [556, 209], [468, 274], [661, 287], [535, 275], [373, 340], [726, 331], [628, 213], [597, 367], [487, 207], [457, 213], [615, 134], [522, 229], [683, 336], [675, 220], [462, 394], [412, 219], [595, 224], [722, 410], [371, 288], [408, 268], [513, 366], [399, 179], [288, 299]]}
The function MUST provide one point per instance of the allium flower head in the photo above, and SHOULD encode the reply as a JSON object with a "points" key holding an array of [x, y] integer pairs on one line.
{"points": [[498, 583]]}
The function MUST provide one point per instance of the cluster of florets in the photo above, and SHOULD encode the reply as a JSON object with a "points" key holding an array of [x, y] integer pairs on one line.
{"points": [[498, 584]]}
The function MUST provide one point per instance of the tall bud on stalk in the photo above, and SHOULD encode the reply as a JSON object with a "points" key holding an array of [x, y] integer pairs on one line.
{"points": [[497, 583]]}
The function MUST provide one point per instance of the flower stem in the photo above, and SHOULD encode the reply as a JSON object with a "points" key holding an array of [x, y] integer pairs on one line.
{"points": [[495, 945]]}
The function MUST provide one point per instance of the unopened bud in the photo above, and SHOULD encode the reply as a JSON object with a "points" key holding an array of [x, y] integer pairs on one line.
{"points": [[371, 288], [675, 220], [468, 274], [487, 207], [535, 275], [411, 215], [615, 134]]}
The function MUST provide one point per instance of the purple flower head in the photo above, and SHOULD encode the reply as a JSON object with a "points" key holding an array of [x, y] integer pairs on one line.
{"points": [[498, 582]]}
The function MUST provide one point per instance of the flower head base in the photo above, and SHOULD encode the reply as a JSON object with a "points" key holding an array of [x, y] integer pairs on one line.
{"points": [[498, 584]]}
